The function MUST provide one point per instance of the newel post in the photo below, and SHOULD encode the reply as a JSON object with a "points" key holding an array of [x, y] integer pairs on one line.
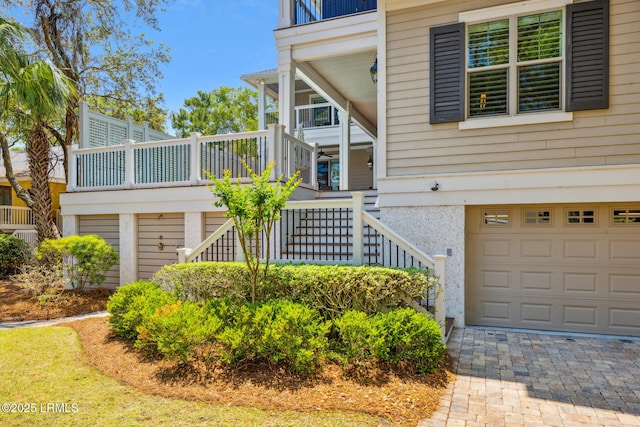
{"points": [[128, 163], [285, 13], [183, 253], [72, 184], [358, 227], [440, 305], [275, 145]]}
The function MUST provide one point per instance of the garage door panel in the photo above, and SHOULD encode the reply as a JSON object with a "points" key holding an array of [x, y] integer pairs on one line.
{"points": [[560, 275], [624, 251], [537, 249], [622, 285], [580, 283], [536, 280], [625, 319]]}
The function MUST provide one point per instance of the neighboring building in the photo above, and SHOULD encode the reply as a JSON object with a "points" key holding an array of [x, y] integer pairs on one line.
{"points": [[504, 134], [15, 217]]}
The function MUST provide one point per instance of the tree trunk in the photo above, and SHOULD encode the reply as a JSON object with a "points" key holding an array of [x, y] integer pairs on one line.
{"points": [[8, 167], [38, 153]]}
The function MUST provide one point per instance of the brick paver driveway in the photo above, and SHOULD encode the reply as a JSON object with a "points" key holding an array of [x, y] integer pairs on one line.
{"points": [[515, 378]]}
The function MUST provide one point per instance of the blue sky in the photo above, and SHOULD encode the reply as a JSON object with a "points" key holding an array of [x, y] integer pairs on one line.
{"points": [[213, 43]]}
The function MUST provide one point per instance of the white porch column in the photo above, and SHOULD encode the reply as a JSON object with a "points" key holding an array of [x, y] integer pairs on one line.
{"points": [[262, 106], [287, 89], [345, 147], [69, 225], [128, 248], [193, 229]]}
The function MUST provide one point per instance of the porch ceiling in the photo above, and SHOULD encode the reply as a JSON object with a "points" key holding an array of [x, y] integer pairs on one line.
{"points": [[349, 75]]}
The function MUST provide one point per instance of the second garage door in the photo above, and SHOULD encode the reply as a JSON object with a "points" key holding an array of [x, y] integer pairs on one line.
{"points": [[556, 267]]}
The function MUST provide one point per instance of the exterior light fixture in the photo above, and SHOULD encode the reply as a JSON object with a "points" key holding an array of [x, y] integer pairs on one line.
{"points": [[370, 163], [374, 70]]}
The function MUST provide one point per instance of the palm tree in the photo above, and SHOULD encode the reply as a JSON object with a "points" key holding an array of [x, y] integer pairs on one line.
{"points": [[32, 92]]}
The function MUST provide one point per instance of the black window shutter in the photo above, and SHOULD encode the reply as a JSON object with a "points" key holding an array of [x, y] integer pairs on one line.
{"points": [[588, 55], [446, 74]]}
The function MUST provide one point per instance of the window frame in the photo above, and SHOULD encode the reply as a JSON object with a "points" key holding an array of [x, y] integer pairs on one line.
{"points": [[512, 13], [587, 40]]}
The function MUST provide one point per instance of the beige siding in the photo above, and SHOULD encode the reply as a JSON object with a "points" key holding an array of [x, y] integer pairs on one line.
{"points": [[361, 177], [213, 221], [107, 227], [159, 235], [598, 137]]}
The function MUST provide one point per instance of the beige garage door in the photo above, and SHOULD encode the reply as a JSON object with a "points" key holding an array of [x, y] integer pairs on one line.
{"points": [[554, 267]]}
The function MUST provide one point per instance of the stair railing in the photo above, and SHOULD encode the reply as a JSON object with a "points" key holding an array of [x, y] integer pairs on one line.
{"points": [[360, 220]]}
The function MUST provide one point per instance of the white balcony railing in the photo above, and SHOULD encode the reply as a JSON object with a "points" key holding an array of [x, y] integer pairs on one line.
{"points": [[316, 115], [185, 162], [298, 12], [21, 218], [15, 217]]}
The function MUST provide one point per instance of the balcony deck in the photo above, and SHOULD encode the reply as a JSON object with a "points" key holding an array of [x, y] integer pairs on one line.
{"points": [[190, 161]]}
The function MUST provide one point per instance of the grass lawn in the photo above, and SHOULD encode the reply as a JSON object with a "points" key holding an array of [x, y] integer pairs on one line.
{"points": [[44, 370]]}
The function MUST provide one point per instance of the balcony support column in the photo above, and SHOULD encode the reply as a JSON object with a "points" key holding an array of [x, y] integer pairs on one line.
{"points": [[345, 146], [287, 89], [128, 237]]}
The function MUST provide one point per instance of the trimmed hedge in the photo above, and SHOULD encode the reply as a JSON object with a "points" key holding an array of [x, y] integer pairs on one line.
{"points": [[330, 289]]}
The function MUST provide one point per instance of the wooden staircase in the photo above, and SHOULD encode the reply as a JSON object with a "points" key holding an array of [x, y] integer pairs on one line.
{"points": [[327, 235]]}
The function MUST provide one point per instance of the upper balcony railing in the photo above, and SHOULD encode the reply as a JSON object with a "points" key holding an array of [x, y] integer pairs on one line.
{"points": [[307, 11], [316, 115], [188, 161]]}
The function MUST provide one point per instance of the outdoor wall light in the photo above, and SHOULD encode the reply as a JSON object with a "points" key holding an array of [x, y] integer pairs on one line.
{"points": [[370, 163], [435, 186], [374, 70]]}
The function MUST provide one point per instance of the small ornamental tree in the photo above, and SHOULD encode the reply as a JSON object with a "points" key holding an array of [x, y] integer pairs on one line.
{"points": [[254, 209]]}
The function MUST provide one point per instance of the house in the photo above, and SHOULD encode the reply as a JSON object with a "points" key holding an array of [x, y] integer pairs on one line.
{"points": [[503, 134], [15, 217]]}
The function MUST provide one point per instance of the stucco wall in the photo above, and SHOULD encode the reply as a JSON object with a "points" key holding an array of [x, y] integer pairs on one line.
{"points": [[435, 229]]}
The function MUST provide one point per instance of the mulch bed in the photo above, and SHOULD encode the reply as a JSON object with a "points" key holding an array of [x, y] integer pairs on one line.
{"points": [[397, 398]]}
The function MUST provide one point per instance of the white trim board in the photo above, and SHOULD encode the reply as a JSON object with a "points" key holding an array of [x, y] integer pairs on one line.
{"points": [[553, 185]]}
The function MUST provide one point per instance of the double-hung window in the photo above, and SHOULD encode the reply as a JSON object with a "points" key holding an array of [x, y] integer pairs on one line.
{"points": [[520, 62], [515, 65]]}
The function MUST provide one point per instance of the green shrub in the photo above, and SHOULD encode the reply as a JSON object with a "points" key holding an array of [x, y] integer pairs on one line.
{"points": [[179, 330], [15, 254], [133, 304], [335, 289], [359, 339], [410, 337], [330, 289], [84, 259], [202, 281], [280, 332]]}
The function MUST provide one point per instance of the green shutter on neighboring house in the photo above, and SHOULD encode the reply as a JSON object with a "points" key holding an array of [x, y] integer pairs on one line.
{"points": [[446, 61], [588, 55]]}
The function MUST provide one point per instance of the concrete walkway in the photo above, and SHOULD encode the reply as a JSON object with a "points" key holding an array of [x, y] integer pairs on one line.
{"points": [[521, 378], [40, 323]]}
